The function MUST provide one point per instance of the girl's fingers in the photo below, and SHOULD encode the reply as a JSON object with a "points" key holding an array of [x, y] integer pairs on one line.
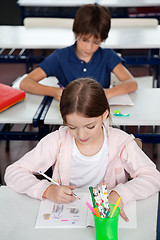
{"points": [[72, 187], [60, 194], [68, 199], [124, 216], [68, 194]]}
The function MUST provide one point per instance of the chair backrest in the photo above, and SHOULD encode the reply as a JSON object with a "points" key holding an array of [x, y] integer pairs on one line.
{"points": [[134, 22], [68, 22], [48, 22]]}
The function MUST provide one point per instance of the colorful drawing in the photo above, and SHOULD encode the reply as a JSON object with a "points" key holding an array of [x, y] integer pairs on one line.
{"points": [[46, 216], [61, 213]]}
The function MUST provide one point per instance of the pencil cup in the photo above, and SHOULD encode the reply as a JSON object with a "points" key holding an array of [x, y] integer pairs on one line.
{"points": [[107, 228]]}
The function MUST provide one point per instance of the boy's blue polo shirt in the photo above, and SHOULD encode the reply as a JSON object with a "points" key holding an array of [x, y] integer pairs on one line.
{"points": [[66, 66]]}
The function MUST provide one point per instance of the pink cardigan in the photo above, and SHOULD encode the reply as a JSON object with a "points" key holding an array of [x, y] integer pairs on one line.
{"points": [[125, 157]]}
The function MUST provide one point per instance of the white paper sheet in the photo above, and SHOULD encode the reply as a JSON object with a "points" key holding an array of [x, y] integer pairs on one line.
{"points": [[124, 99], [76, 214], [63, 215]]}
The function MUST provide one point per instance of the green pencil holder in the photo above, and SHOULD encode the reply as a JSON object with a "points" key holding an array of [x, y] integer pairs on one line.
{"points": [[107, 228]]}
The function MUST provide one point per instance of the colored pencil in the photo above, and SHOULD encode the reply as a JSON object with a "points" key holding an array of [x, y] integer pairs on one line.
{"points": [[50, 179], [53, 181], [96, 211], [91, 208], [98, 203], [117, 203], [102, 199], [60, 85], [92, 196], [105, 195]]}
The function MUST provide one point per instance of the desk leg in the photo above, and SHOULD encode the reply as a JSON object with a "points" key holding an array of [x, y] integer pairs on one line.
{"points": [[0, 180], [158, 219]]}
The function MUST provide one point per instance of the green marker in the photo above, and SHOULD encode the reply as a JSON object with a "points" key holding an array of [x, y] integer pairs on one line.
{"points": [[93, 201]]}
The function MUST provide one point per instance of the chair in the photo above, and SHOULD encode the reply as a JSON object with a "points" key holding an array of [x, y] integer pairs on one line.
{"points": [[68, 22], [48, 22], [134, 22]]}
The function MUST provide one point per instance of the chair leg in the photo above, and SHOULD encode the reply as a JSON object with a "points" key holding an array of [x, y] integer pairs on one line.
{"points": [[155, 146], [155, 150], [7, 145]]}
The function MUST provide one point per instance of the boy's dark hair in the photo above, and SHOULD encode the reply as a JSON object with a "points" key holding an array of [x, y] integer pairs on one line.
{"points": [[93, 20], [85, 96]]}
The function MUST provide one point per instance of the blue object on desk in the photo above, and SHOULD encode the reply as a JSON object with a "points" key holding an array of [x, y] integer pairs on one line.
{"points": [[119, 114]]}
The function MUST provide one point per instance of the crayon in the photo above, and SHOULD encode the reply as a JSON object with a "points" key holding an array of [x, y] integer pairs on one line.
{"points": [[117, 203], [53, 181], [91, 208], [91, 192]]}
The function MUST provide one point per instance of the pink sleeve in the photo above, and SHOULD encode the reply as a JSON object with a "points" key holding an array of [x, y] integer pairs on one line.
{"points": [[20, 175], [145, 177]]}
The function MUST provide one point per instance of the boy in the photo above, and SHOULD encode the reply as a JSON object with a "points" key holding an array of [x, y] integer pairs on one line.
{"points": [[83, 59]]}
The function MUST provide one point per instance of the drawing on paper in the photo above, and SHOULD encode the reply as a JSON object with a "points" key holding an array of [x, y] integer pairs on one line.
{"points": [[71, 214], [62, 213]]}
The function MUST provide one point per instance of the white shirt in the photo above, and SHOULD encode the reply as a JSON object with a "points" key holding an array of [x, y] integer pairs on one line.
{"points": [[89, 171]]}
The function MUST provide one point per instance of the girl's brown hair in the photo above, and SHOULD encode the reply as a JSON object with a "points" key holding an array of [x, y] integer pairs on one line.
{"points": [[85, 96], [93, 20]]}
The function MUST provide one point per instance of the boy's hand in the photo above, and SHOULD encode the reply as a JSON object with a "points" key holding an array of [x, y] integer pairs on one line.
{"points": [[58, 93], [60, 194], [113, 198]]}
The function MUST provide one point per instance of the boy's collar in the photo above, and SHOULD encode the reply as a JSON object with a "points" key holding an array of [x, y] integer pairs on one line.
{"points": [[73, 57]]}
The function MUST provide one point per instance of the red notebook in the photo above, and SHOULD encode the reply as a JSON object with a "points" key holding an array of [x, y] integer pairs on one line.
{"points": [[9, 96]]}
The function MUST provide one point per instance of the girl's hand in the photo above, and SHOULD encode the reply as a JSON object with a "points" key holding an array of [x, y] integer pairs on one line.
{"points": [[60, 194], [113, 198]]}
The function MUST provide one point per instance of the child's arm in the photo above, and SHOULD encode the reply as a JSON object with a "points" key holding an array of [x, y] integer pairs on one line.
{"points": [[20, 175], [145, 178], [127, 85], [30, 84], [60, 194], [113, 198]]}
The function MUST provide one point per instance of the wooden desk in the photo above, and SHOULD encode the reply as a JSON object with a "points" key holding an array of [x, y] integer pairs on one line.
{"points": [[145, 112], [68, 8], [53, 3], [18, 215], [52, 38], [72, 3], [133, 38], [22, 112], [19, 37], [129, 3], [26, 112]]}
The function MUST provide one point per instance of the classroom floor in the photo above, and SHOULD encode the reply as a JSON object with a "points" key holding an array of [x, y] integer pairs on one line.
{"points": [[9, 72]]}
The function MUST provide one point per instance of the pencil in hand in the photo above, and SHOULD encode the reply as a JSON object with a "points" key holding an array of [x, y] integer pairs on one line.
{"points": [[76, 196], [54, 182], [50, 179]]}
